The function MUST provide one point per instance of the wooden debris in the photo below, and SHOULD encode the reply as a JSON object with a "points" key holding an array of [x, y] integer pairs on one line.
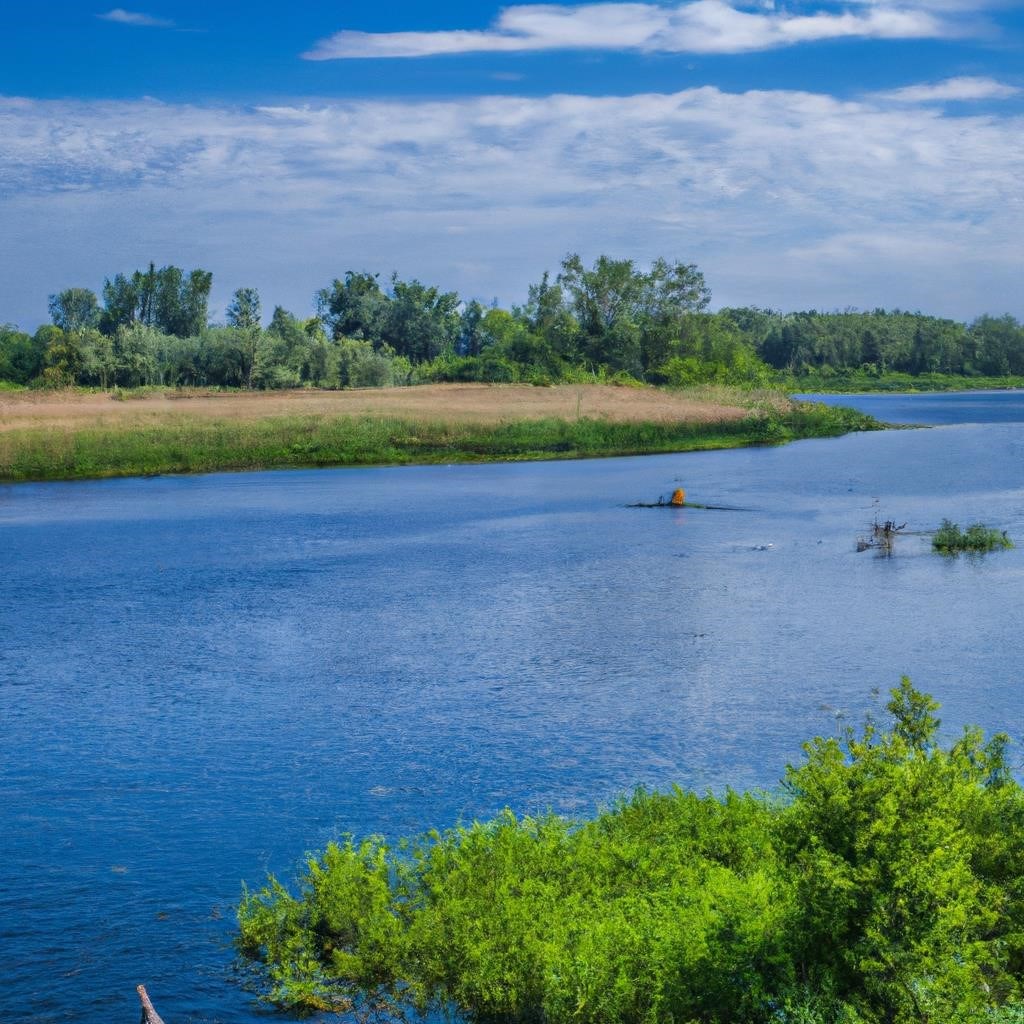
{"points": [[149, 1015], [882, 538]]}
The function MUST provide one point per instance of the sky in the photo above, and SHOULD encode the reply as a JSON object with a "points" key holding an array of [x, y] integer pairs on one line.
{"points": [[805, 154]]}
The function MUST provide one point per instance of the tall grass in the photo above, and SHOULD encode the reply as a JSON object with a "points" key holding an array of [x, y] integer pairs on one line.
{"points": [[194, 445]]}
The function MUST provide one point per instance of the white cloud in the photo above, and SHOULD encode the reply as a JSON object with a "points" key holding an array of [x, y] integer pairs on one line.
{"points": [[698, 26], [123, 17], [790, 199], [952, 90]]}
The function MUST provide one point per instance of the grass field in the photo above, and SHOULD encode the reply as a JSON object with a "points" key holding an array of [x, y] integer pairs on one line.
{"points": [[69, 435], [478, 403]]}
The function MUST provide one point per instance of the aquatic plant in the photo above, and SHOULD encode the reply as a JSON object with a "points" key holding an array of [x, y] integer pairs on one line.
{"points": [[949, 539]]}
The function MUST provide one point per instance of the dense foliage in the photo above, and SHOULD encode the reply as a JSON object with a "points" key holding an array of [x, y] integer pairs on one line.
{"points": [[977, 538], [884, 885], [879, 343], [611, 320]]}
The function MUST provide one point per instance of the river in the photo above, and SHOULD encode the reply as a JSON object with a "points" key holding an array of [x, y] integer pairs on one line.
{"points": [[201, 678]]}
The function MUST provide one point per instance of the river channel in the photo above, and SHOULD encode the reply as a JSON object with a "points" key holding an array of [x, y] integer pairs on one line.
{"points": [[202, 678]]}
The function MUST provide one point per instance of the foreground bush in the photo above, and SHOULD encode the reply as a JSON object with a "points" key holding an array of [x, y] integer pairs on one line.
{"points": [[886, 885]]}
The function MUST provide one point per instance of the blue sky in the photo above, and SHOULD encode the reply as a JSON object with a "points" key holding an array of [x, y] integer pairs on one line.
{"points": [[803, 154]]}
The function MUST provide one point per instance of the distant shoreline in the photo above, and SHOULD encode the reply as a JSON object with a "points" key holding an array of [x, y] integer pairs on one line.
{"points": [[899, 384], [70, 436]]}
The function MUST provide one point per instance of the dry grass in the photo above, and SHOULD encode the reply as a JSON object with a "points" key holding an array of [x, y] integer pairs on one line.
{"points": [[81, 435], [456, 403]]}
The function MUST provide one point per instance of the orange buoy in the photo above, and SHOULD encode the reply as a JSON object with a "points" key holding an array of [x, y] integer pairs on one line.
{"points": [[679, 496]]}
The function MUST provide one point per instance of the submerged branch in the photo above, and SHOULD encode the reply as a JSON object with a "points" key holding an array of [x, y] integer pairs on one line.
{"points": [[149, 1014]]}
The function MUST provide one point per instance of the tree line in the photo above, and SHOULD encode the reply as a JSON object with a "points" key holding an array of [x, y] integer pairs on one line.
{"points": [[881, 342], [609, 319]]}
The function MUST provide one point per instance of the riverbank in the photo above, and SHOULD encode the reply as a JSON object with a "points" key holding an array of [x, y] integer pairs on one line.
{"points": [[848, 383], [90, 436]]}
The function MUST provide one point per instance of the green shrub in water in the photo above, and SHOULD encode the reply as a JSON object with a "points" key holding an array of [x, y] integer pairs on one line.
{"points": [[949, 539]]}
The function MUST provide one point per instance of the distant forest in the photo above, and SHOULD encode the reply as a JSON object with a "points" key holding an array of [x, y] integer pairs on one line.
{"points": [[610, 321]]}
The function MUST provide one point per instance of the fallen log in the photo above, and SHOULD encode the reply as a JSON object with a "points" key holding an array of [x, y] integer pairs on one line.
{"points": [[149, 1015]]}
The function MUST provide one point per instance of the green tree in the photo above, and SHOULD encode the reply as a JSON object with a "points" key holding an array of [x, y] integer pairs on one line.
{"points": [[120, 303], [471, 337], [244, 309], [194, 308], [74, 309], [98, 365], [360, 365], [164, 299], [306, 350], [421, 322], [135, 355], [63, 359], [629, 319], [228, 356], [259, 359], [21, 355], [353, 308], [997, 345], [547, 314]]}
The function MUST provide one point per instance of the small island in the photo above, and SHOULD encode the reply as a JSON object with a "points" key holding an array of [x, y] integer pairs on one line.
{"points": [[978, 538]]}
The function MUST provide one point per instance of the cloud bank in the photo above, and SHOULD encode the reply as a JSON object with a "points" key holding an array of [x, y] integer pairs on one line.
{"points": [[791, 199], [699, 26]]}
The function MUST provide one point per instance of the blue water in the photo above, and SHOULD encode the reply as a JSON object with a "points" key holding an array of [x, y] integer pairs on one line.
{"points": [[203, 678], [932, 409]]}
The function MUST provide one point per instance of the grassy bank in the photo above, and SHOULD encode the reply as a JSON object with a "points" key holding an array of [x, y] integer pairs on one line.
{"points": [[196, 445]]}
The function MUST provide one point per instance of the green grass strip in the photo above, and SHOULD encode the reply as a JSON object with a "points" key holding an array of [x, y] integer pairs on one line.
{"points": [[203, 446]]}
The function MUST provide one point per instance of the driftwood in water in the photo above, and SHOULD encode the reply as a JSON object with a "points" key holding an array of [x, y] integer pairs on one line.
{"points": [[883, 537], [149, 1015]]}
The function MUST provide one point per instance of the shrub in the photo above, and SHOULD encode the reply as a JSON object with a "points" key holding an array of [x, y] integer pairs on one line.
{"points": [[885, 887], [978, 538]]}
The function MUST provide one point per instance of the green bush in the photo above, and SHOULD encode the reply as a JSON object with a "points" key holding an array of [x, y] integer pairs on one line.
{"points": [[884, 886], [978, 538]]}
